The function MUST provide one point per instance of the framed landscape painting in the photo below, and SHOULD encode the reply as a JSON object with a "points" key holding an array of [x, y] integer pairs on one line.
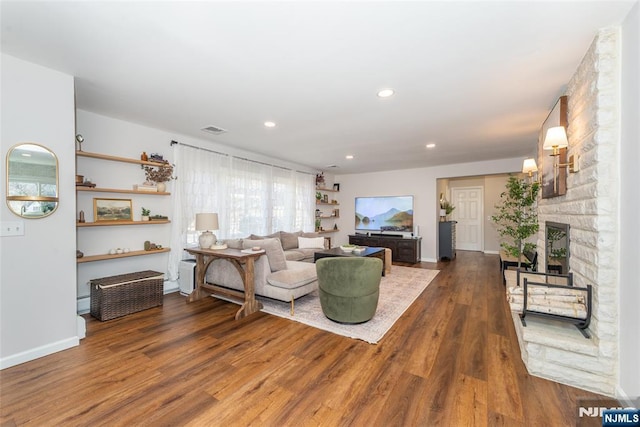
{"points": [[112, 210], [554, 179]]}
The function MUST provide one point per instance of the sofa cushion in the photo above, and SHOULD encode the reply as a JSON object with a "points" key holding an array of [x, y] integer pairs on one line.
{"points": [[305, 255], [289, 240], [273, 249], [298, 274], [294, 255], [311, 242], [234, 243], [275, 235], [311, 234]]}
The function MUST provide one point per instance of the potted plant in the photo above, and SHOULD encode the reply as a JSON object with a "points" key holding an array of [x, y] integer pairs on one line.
{"points": [[446, 208], [145, 214], [517, 217], [159, 174]]}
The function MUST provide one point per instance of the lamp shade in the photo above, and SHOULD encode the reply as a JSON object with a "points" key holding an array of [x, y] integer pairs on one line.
{"points": [[206, 221], [556, 138], [529, 166]]}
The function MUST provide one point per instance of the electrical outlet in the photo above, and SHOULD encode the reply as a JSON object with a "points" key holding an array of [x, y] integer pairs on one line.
{"points": [[12, 228]]}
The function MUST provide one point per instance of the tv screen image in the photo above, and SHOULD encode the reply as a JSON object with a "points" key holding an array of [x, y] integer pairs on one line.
{"points": [[384, 213]]}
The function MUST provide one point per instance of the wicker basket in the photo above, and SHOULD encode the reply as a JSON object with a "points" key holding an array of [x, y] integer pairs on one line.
{"points": [[117, 296]]}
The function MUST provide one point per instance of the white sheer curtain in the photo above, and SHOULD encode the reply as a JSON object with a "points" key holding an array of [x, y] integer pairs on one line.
{"points": [[249, 197], [200, 187]]}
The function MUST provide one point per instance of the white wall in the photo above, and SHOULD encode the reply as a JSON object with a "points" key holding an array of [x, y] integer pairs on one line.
{"points": [[629, 315], [38, 274], [421, 184]]}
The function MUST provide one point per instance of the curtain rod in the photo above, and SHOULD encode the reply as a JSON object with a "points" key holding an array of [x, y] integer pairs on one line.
{"points": [[239, 158]]}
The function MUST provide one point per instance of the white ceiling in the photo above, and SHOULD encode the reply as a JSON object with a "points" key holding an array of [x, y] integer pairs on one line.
{"points": [[475, 77]]}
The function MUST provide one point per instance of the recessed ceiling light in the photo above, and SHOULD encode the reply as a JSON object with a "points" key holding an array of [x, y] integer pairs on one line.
{"points": [[270, 124], [385, 93], [431, 145], [348, 157]]}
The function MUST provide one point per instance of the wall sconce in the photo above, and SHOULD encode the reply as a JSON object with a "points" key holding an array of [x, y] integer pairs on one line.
{"points": [[529, 167], [556, 139]]}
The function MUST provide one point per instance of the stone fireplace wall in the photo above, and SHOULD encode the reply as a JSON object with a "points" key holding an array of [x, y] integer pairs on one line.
{"points": [[590, 208]]}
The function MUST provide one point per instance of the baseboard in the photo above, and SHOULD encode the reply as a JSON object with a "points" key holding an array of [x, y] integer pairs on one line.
{"points": [[492, 252], [428, 260], [84, 303], [38, 352]]}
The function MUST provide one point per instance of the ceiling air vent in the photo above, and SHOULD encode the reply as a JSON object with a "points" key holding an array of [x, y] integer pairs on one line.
{"points": [[214, 130]]}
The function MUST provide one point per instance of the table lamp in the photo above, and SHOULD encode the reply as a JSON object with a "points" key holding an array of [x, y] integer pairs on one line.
{"points": [[206, 222]]}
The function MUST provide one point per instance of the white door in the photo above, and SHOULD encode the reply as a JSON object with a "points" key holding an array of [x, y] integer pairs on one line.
{"points": [[468, 212]]}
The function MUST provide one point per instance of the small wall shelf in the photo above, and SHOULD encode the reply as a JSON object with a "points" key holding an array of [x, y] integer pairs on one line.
{"points": [[327, 190], [327, 231], [111, 223], [130, 254], [118, 159], [116, 190]]}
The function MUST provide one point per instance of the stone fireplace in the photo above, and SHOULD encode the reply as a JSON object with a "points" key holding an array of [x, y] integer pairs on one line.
{"points": [[587, 215]]}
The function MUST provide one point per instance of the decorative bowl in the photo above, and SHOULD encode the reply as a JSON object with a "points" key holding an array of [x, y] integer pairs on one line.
{"points": [[347, 248]]}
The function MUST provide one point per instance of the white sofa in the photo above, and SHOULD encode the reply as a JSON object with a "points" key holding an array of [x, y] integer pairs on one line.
{"points": [[275, 276]]}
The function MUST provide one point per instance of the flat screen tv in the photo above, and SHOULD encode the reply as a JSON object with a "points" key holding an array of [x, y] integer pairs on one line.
{"points": [[384, 213]]}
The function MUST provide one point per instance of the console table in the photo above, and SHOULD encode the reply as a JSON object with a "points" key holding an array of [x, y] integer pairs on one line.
{"points": [[204, 258], [402, 250]]}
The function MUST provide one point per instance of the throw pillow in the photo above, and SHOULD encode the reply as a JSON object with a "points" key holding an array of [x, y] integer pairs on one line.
{"points": [[289, 240], [273, 250], [311, 242]]}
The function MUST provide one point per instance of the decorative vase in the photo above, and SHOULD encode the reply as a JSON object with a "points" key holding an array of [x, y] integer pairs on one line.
{"points": [[161, 187]]}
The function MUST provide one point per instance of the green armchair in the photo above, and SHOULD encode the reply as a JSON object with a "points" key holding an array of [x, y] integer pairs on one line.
{"points": [[349, 288]]}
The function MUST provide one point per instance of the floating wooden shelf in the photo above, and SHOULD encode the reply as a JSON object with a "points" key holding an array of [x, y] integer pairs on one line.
{"points": [[118, 159], [109, 223], [329, 190], [116, 190], [328, 217], [130, 254], [327, 231], [327, 203]]}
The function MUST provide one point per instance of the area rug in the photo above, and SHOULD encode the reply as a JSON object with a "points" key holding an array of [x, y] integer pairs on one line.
{"points": [[398, 290]]}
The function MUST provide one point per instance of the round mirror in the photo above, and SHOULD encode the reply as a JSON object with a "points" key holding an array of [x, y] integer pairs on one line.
{"points": [[32, 180]]}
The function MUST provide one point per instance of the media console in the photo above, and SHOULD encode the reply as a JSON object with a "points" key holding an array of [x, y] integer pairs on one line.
{"points": [[402, 249]]}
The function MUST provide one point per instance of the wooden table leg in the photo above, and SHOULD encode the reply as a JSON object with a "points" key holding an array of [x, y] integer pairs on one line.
{"points": [[250, 305], [199, 292]]}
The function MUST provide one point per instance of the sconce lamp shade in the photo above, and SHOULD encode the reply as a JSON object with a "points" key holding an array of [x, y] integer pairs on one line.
{"points": [[529, 166], [206, 221], [555, 139]]}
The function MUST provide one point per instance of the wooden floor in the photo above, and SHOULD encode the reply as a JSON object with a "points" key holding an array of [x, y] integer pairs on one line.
{"points": [[451, 360]]}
